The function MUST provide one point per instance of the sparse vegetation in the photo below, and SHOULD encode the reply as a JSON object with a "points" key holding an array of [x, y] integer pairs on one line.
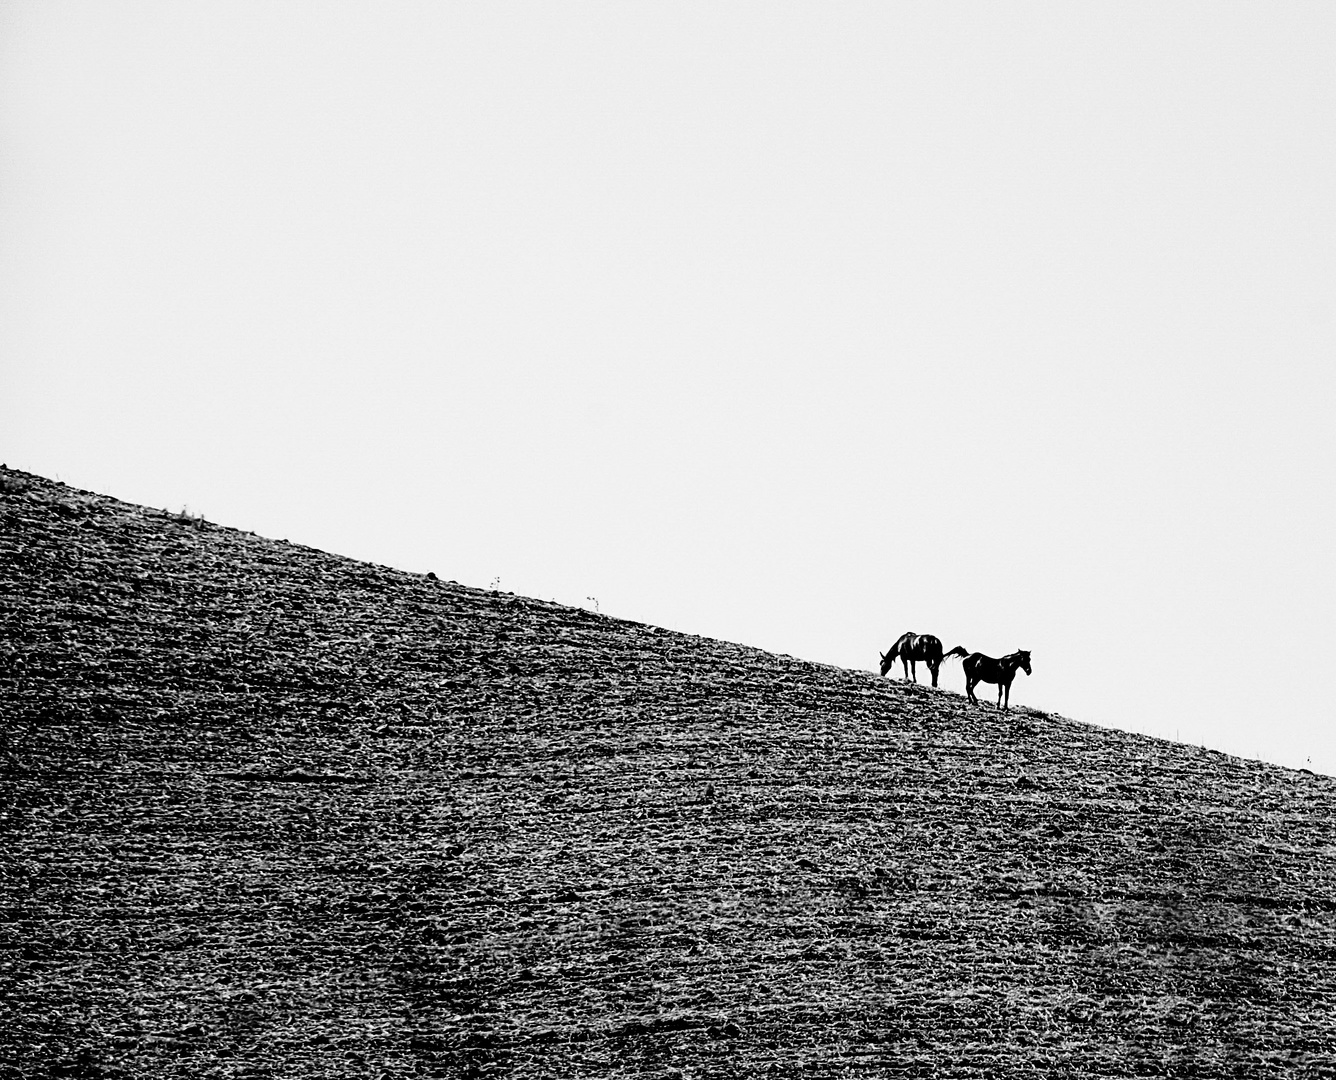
{"points": [[185, 517], [269, 812]]}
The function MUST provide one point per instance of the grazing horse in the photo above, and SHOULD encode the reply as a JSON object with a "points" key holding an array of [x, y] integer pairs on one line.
{"points": [[980, 668], [912, 647]]}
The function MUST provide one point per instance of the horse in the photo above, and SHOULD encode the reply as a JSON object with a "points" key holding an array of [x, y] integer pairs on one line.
{"points": [[980, 668], [912, 647]]}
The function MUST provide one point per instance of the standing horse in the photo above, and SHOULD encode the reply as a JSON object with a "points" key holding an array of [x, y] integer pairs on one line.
{"points": [[912, 647], [980, 668]]}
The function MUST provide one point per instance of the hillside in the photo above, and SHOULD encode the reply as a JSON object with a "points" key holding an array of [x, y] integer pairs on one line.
{"points": [[268, 812]]}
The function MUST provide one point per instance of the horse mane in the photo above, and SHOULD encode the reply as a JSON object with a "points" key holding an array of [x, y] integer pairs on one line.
{"points": [[902, 644], [904, 641]]}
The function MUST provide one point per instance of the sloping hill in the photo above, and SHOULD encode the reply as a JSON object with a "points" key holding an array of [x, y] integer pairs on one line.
{"points": [[268, 812]]}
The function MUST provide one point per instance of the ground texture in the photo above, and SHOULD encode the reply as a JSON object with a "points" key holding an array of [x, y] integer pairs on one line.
{"points": [[267, 812]]}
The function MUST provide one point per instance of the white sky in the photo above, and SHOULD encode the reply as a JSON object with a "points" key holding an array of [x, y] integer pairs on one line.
{"points": [[800, 325]]}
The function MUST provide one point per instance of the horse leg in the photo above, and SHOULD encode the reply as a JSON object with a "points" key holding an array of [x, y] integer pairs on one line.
{"points": [[913, 670], [969, 689], [934, 669]]}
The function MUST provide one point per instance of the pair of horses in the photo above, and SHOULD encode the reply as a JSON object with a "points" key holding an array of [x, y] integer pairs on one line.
{"points": [[911, 648]]}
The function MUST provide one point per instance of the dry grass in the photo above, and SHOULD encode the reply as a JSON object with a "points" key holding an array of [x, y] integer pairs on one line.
{"points": [[269, 812]]}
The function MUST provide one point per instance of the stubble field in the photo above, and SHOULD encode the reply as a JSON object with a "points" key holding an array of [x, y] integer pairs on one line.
{"points": [[268, 812]]}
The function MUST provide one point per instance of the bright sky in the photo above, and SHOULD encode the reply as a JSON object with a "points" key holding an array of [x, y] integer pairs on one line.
{"points": [[800, 325]]}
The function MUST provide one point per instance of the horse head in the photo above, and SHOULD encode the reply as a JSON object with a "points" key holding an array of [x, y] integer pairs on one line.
{"points": [[1024, 656], [903, 643]]}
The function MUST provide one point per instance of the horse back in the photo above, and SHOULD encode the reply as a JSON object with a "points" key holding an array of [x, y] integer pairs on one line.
{"points": [[928, 646], [977, 664]]}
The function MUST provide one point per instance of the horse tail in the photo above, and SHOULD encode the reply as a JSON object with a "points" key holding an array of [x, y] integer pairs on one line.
{"points": [[959, 650]]}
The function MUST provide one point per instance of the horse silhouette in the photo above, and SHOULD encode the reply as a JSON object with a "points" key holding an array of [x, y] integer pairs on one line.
{"points": [[980, 668], [911, 648]]}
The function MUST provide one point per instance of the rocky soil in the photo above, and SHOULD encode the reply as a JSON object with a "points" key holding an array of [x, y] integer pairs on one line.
{"points": [[268, 812]]}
